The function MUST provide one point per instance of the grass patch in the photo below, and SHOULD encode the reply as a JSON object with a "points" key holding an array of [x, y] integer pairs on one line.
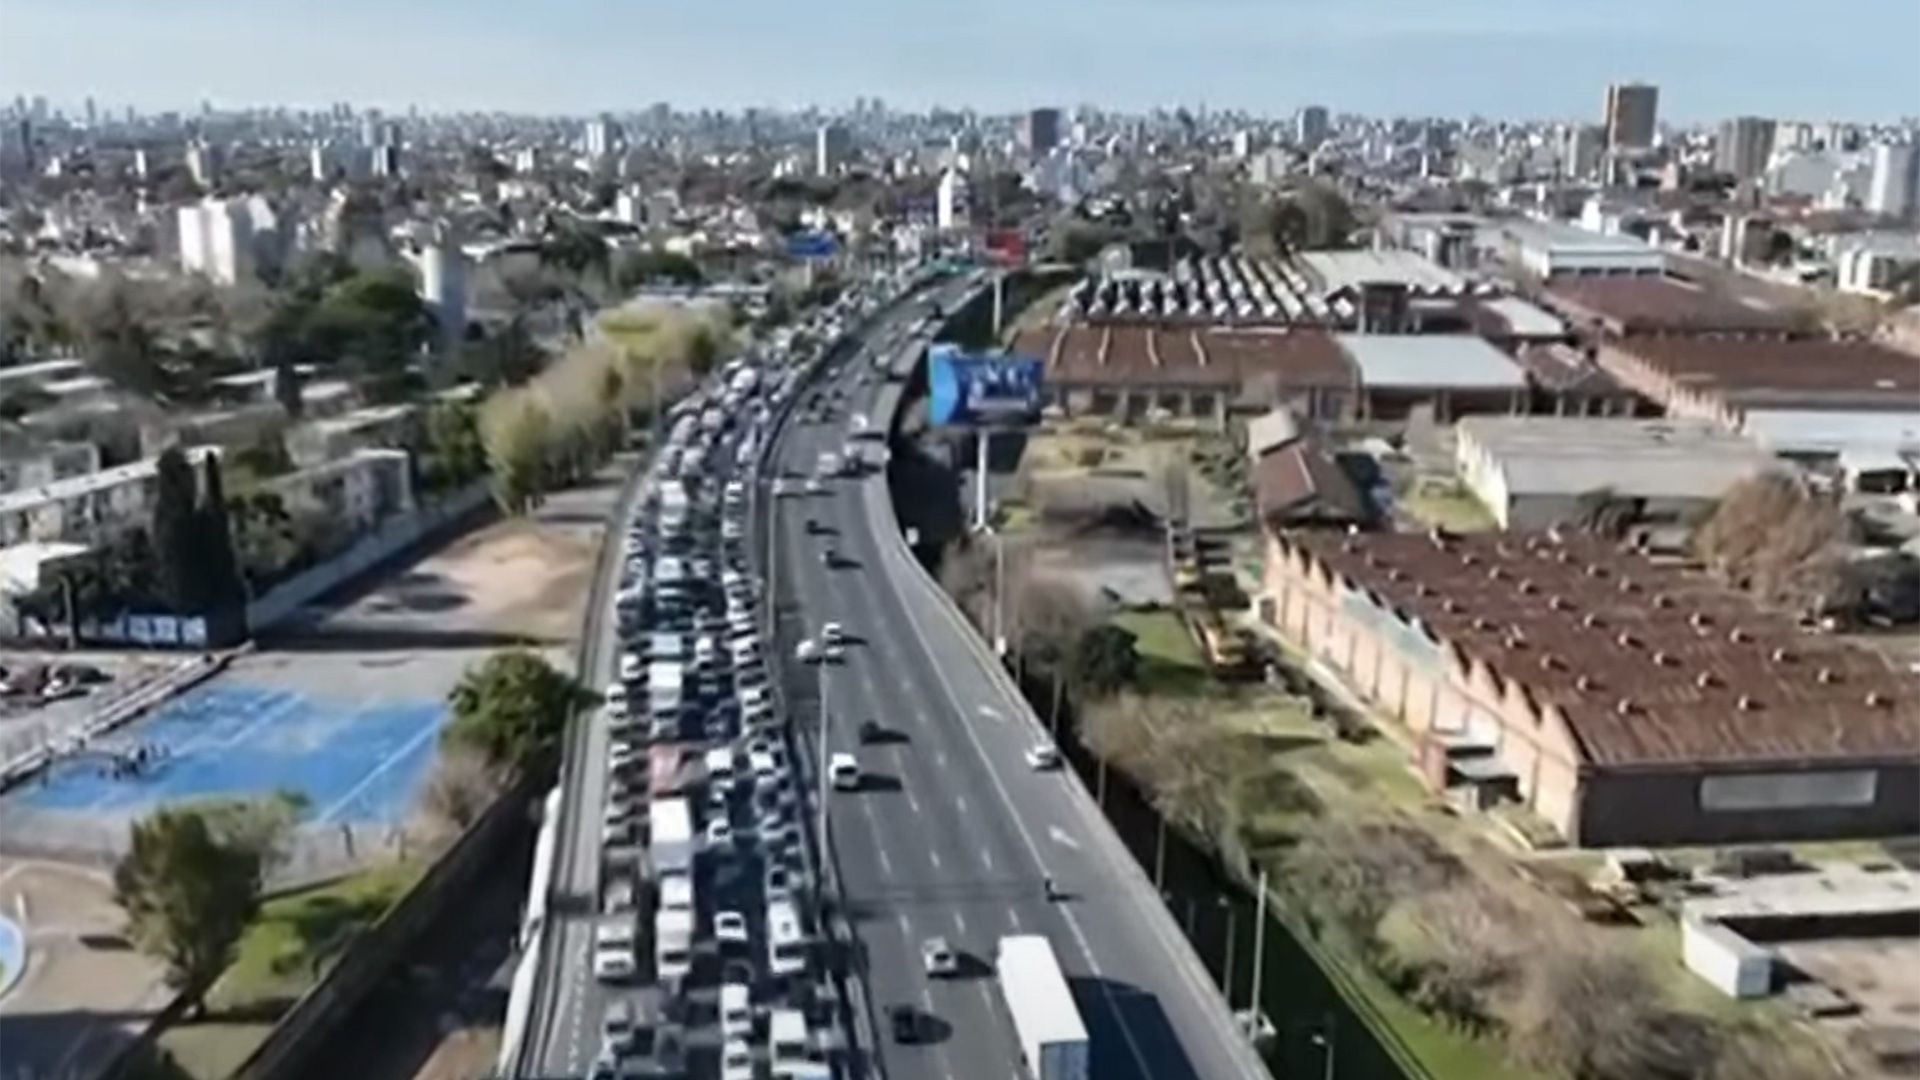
{"points": [[295, 938], [1170, 661], [1449, 506]]}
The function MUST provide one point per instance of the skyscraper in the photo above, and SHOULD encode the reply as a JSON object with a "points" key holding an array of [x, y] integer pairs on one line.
{"points": [[1040, 132], [1630, 116], [1310, 126], [1745, 144], [1894, 189], [831, 144], [1580, 152], [950, 201]]}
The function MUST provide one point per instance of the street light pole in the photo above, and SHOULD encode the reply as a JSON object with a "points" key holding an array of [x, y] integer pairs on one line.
{"points": [[820, 780], [1226, 972], [1259, 951], [1159, 850], [1324, 1040]]}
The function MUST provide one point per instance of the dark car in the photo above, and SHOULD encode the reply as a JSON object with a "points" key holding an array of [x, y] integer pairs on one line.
{"points": [[871, 732], [904, 1021], [830, 558]]}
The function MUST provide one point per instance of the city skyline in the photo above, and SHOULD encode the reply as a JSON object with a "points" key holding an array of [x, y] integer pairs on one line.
{"points": [[1711, 59]]}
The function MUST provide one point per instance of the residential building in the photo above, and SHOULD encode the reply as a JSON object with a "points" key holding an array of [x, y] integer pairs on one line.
{"points": [[1040, 132], [228, 239], [1630, 115], [1894, 188], [203, 163], [951, 205], [1535, 472], [1622, 700], [1744, 146], [1554, 249], [1310, 126], [87, 508], [27, 463], [602, 136], [443, 288], [832, 144], [356, 491], [1580, 149]]}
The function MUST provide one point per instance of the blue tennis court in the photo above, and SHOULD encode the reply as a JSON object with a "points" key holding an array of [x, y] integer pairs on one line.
{"points": [[355, 761]]}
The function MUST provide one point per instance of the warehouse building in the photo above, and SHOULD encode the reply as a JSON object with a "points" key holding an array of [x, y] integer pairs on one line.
{"points": [[1623, 701], [1533, 472], [1736, 382], [1632, 306], [1450, 374]]}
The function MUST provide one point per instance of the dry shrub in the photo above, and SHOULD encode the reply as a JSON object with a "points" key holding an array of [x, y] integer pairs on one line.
{"points": [[1773, 536], [1455, 953], [1351, 873], [460, 788], [1597, 1014]]}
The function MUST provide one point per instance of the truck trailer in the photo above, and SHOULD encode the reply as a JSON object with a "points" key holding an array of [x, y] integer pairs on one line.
{"points": [[1053, 1040]]}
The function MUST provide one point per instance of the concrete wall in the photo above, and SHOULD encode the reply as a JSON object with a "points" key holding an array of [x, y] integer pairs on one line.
{"points": [[391, 538]]}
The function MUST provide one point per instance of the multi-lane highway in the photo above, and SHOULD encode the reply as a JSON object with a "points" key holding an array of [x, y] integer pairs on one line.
{"points": [[954, 833]]}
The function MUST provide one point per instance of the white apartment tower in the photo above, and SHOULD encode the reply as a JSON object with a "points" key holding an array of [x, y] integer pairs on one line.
{"points": [[1894, 189], [950, 202], [831, 146]]}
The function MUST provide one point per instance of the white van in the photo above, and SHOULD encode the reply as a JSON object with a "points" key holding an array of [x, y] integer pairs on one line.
{"points": [[672, 945], [786, 943], [613, 945]]}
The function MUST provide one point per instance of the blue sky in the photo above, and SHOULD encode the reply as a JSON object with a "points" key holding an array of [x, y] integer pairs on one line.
{"points": [[1853, 59]]}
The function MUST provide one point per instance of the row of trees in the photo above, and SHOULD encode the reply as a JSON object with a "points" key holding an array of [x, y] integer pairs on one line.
{"points": [[562, 424]]}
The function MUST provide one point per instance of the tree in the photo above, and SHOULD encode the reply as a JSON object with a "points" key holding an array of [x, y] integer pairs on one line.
{"points": [[512, 710], [453, 454], [226, 594], [176, 534], [1597, 1014], [189, 895], [1104, 660], [514, 428], [703, 349]]}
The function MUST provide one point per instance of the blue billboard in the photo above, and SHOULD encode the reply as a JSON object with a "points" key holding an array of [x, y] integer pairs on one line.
{"points": [[813, 245], [983, 390]]}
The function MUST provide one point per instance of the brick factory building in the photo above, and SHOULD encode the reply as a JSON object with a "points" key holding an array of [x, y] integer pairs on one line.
{"points": [[1624, 701]]}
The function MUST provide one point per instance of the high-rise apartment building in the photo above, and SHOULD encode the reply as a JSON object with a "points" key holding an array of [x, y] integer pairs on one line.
{"points": [[1894, 189], [832, 144], [603, 135], [1745, 144], [1310, 126], [1632, 109], [1580, 151], [950, 202], [1040, 131]]}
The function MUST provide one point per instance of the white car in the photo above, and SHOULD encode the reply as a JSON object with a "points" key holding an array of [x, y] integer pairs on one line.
{"points": [[1042, 758], [730, 928], [736, 1060], [833, 652], [807, 652], [845, 770], [939, 958], [719, 834], [833, 634]]}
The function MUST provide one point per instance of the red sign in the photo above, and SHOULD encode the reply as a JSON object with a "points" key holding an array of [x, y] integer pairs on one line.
{"points": [[1007, 246]]}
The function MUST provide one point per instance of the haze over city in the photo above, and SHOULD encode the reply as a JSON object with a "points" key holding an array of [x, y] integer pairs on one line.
{"points": [[1518, 58]]}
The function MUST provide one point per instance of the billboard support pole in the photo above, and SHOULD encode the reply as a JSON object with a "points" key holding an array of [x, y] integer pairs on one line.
{"points": [[999, 303], [981, 435]]}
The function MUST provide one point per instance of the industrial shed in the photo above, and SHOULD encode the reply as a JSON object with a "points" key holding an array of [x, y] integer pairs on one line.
{"points": [[1534, 472], [1453, 374], [1622, 700]]}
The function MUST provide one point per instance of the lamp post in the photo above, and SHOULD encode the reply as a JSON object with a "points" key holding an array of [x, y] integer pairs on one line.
{"points": [[1226, 972], [1324, 1040]]}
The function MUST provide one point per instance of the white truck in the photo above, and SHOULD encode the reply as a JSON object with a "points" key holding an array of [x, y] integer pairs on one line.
{"points": [[670, 836], [1053, 1040]]}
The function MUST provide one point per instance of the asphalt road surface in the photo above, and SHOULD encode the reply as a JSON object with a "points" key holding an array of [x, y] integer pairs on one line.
{"points": [[952, 832]]}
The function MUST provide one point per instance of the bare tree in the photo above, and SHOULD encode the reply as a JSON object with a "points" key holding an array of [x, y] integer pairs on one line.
{"points": [[463, 784], [1598, 1014]]}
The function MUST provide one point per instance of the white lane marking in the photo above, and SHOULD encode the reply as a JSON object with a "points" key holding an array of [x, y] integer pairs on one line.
{"points": [[940, 758], [879, 846], [1061, 836], [960, 920], [987, 711], [961, 802], [934, 857], [987, 858], [913, 802]]}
